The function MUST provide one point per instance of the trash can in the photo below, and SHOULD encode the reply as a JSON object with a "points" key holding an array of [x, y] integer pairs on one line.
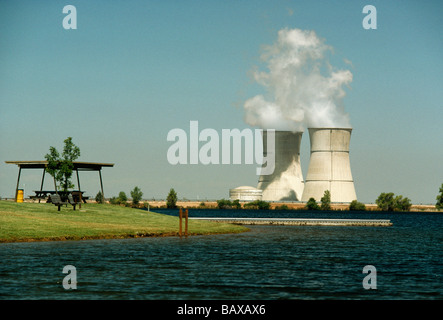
{"points": [[20, 195]]}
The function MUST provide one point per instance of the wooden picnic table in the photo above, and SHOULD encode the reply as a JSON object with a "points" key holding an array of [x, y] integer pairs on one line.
{"points": [[45, 194]]}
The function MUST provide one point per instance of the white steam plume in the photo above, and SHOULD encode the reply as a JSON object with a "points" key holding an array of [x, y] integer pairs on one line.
{"points": [[302, 88]]}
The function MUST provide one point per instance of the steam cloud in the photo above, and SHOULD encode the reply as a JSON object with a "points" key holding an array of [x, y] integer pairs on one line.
{"points": [[302, 88]]}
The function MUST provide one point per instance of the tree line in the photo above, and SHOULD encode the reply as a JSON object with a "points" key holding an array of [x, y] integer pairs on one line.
{"points": [[60, 166]]}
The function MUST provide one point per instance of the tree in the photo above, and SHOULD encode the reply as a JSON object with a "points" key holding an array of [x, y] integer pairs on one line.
{"points": [[236, 204], [312, 205], [402, 204], [224, 204], [326, 201], [136, 195], [61, 167], [357, 206], [385, 201], [122, 197], [390, 202], [171, 200], [439, 204], [99, 197], [258, 204]]}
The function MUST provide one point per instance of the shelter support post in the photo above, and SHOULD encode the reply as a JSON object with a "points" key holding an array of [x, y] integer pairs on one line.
{"points": [[43, 180], [55, 186], [101, 183], [79, 190], [18, 181]]}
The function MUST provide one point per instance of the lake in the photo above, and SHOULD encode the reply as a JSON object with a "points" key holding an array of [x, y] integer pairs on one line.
{"points": [[268, 262]]}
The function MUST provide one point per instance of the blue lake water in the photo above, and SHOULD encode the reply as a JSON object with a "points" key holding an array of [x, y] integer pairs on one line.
{"points": [[268, 262]]}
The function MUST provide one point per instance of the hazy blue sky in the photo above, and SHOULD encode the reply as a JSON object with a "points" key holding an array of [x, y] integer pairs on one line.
{"points": [[133, 70]]}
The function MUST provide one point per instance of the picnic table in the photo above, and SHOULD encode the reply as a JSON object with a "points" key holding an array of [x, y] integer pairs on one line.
{"points": [[45, 194]]}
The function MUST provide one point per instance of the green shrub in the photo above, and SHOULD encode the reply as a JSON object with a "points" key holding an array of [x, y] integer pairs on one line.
{"points": [[236, 204], [357, 206], [257, 204], [282, 207], [136, 195], [385, 201], [99, 197], [224, 204], [326, 201], [122, 197], [171, 199], [402, 204], [439, 204], [312, 205], [388, 202]]}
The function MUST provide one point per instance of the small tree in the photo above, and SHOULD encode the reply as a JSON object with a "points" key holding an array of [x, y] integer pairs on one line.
{"points": [[402, 204], [258, 204], [385, 201], [224, 204], [114, 200], [122, 197], [171, 200], [136, 195], [439, 204], [389, 202], [312, 205], [61, 167], [357, 206], [236, 204], [326, 201], [99, 197]]}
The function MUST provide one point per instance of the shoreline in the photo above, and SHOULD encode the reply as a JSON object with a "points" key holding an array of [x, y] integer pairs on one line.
{"points": [[212, 204], [112, 237], [34, 222], [192, 204], [46, 214]]}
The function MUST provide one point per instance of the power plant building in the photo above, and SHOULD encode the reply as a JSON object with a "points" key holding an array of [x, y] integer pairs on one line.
{"points": [[286, 182], [329, 165], [245, 193]]}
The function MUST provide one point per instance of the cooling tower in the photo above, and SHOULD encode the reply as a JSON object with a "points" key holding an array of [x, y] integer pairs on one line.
{"points": [[329, 166], [286, 182]]}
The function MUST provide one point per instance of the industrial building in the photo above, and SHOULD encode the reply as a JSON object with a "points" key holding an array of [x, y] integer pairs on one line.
{"points": [[329, 165], [329, 168], [286, 182], [245, 193]]}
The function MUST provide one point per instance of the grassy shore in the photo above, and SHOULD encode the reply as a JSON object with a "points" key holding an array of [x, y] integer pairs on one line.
{"points": [[42, 222]]}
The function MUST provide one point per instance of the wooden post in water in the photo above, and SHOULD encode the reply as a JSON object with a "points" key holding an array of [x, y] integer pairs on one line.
{"points": [[186, 223], [180, 222], [181, 214]]}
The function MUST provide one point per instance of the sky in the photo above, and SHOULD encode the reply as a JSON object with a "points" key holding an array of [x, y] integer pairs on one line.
{"points": [[133, 71]]}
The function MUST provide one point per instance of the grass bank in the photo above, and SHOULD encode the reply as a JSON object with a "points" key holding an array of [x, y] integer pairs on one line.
{"points": [[42, 222]]}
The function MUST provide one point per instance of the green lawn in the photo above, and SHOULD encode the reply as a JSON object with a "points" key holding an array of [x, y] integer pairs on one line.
{"points": [[42, 222]]}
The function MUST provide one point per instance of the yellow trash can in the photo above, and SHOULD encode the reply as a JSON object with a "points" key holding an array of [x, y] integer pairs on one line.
{"points": [[20, 195]]}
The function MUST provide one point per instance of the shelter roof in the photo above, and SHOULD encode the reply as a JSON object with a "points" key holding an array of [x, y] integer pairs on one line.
{"points": [[78, 165]]}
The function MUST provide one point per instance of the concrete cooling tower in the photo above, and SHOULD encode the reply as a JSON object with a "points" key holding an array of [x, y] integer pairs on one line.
{"points": [[329, 166], [286, 182]]}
